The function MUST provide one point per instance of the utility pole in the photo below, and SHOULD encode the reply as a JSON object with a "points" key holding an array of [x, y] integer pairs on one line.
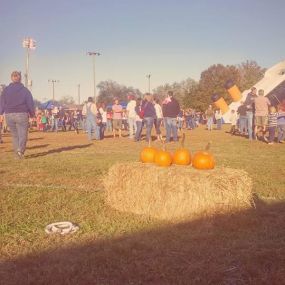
{"points": [[28, 44], [148, 76], [93, 54], [53, 81], [78, 94]]}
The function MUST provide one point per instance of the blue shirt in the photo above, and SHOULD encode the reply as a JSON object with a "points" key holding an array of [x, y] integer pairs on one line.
{"points": [[16, 98]]}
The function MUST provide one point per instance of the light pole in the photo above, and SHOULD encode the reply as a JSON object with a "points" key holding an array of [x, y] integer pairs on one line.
{"points": [[28, 44], [93, 54], [53, 81], [148, 76]]}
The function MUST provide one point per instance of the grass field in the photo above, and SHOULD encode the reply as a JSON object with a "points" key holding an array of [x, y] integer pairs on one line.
{"points": [[61, 179]]}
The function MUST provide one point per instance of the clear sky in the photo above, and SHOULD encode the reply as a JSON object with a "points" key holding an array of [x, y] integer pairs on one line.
{"points": [[169, 39]]}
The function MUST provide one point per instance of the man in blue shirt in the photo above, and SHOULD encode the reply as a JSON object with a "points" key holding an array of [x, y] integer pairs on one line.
{"points": [[170, 110], [17, 103], [249, 103]]}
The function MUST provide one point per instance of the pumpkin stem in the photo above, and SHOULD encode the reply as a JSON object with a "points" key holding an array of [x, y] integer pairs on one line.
{"points": [[208, 145], [183, 140], [149, 143]]}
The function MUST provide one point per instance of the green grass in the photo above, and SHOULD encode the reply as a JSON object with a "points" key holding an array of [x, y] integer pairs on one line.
{"points": [[61, 179]]}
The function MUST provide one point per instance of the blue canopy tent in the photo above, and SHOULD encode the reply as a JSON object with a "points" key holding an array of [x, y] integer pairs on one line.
{"points": [[49, 105]]}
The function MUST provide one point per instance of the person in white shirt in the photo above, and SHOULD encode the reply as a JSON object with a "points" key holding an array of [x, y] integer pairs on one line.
{"points": [[54, 122], [90, 111], [139, 119], [131, 115], [218, 117], [103, 114], [158, 119]]}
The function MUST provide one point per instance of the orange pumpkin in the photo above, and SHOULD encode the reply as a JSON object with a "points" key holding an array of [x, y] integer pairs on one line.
{"points": [[163, 157], [203, 159], [147, 154], [182, 156]]}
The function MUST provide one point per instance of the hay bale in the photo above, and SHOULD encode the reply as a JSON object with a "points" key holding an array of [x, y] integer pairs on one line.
{"points": [[176, 192]]}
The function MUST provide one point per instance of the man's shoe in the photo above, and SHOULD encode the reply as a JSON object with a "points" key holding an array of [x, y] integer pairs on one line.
{"points": [[20, 155]]}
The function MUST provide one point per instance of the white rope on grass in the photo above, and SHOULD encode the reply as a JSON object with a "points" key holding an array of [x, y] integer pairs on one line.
{"points": [[62, 228]]}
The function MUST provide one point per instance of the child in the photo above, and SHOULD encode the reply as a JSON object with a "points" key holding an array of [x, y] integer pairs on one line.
{"points": [[44, 122], [39, 121], [233, 119], [102, 114], [272, 123], [180, 120]]}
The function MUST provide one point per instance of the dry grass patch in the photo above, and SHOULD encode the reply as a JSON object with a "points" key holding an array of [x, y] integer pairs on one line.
{"points": [[176, 192]]}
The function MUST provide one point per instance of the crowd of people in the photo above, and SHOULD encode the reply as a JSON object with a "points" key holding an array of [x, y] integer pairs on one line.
{"points": [[257, 119], [95, 119], [253, 118], [140, 112]]}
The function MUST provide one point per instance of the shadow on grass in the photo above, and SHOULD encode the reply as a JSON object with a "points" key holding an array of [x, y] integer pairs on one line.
{"points": [[242, 248], [57, 150], [111, 136], [6, 135], [35, 139], [37, 146]]}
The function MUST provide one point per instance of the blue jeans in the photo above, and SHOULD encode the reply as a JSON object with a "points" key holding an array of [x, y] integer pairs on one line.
{"points": [[18, 124], [54, 124], [102, 129], [192, 123], [187, 122], [243, 124], [180, 124], [271, 131], [84, 124], [171, 128], [210, 122], [219, 124], [109, 125], [132, 127], [139, 130], [149, 124], [157, 124], [249, 115], [281, 132], [92, 128]]}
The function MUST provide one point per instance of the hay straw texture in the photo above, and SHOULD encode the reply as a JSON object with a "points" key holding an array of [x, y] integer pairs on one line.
{"points": [[176, 192]]}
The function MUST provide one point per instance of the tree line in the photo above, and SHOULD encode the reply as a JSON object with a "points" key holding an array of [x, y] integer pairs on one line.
{"points": [[192, 93], [189, 92]]}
